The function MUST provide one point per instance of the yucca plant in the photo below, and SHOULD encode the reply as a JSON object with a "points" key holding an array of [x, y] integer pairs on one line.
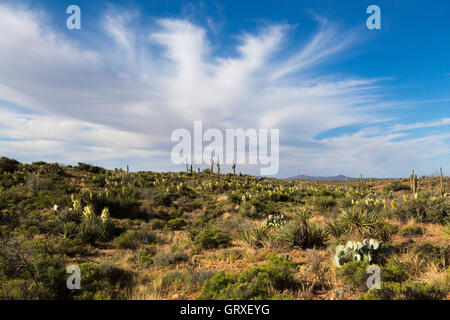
{"points": [[257, 237], [293, 234], [316, 235], [303, 214], [70, 229], [338, 229], [90, 230], [384, 231], [359, 220]]}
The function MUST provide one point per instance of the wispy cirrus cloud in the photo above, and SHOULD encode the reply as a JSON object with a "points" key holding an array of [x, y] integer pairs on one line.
{"points": [[123, 97]]}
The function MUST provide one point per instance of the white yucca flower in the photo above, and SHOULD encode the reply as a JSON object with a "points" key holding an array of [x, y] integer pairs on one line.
{"points": [[55, 207], [105, 214], [88, 213]]}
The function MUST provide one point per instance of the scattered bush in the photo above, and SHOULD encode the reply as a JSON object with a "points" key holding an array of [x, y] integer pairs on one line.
{"points": [[412, 231], [133, 239], [397, 291], [394, 273], [211, 238], [8, 165], [176, 224], [103, 281], [167, 258], [254, 283], [355, 274], [157, 224]]}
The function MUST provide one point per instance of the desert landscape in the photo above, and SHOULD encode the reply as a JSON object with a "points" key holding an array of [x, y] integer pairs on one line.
{"points": [[209, 235]]}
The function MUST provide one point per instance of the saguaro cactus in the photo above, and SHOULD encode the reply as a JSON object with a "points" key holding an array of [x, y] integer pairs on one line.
{"points": [[234, 168], [413, 181], [212, 165], [441, 186], [218, 168]]}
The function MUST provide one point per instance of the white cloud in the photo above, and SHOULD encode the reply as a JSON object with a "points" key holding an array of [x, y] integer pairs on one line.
{"points": [[124, 95]]}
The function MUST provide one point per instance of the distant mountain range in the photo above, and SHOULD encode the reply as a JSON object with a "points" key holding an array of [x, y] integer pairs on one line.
{"points": [[319, 178]]}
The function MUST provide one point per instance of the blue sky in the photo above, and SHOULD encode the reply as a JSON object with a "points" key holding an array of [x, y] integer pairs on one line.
{"points": [[346, 99]]}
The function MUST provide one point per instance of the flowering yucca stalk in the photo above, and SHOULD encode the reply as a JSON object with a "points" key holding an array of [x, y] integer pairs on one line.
{"points": [[76, 203], [105, 215], [88, 213]]}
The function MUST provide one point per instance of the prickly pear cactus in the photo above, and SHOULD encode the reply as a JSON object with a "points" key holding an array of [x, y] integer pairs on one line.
{"points": [[275, 220], [357, 251]]}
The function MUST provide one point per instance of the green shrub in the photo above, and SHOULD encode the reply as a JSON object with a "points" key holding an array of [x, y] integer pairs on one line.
{"points": [[176, 224], [8, 165], [412, 231], [254, 283], [210, 238], [425, 210], [132, 239], [167, 258], [394, 273], [324, 203], [257, 208], [89, 168], [432, 253], [396, 186], [397, 291], [102, 281], [157, 224], [355, 274]]}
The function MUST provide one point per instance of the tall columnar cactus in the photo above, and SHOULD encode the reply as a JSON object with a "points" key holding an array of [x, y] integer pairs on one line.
{"points": [[212, 165], [441, 186], [218, 168], [413, 182], [361, 181], [234, 168]]}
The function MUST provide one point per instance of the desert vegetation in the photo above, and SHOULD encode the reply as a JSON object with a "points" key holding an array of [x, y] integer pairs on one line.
{"points": [[210, 235]]}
